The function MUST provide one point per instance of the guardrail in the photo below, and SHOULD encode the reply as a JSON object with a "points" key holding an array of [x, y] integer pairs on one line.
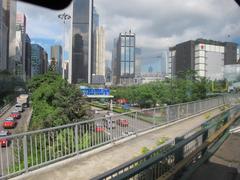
{"points": [[32, 150], [165, 161]]}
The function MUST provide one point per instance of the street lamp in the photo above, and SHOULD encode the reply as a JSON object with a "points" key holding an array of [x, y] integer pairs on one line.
{"points": [[64, 17]]}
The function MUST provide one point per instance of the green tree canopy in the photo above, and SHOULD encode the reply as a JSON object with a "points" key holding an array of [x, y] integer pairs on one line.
{"points": [[55, 102]]}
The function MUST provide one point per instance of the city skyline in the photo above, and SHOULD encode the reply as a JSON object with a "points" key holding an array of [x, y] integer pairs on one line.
{"points": [[120, 17]]}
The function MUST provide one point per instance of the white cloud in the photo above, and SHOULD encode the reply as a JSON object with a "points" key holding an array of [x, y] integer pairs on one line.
{"points": [[158, 24]]}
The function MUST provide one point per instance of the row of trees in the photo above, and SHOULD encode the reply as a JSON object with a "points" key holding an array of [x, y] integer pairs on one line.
{"points": [[187, 87], [55, 102]]}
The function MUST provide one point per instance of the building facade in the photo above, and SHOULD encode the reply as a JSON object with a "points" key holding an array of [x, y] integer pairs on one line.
{"points": [[80, 64], [206, 57], [57, 54], [100, 51], [148, 77], [28, 56], [9, 8], [114, 62], [20, 45], [3, 39], [39, 60], [125, 71], [44, 62], [95, 26]]}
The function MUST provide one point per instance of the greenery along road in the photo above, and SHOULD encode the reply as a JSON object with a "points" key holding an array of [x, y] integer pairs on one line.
{"points": [[187, 87], [55, 102]]}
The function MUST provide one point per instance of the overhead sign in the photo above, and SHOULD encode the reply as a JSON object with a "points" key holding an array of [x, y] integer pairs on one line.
{"points": [[95, 91]]}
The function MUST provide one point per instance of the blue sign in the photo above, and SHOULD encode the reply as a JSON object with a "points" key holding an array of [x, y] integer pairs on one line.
{"points": [[126, 106], [95, 91]]}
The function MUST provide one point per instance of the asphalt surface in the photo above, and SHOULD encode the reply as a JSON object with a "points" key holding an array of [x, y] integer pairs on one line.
{"points": [[134, 125]]}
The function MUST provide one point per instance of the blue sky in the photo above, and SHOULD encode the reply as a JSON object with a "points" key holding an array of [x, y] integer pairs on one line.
{"points": [[46, 43]]}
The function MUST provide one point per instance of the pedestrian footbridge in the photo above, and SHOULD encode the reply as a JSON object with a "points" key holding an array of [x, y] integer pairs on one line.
{"points": [[83, 151]]}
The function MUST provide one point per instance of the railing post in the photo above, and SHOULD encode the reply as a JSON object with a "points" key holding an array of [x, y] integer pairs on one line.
{"points": [[76, 138], [167, 113], [179, 154], [194, 108], [200, 106], [154, 117], [25, 156], [204, 138], [178, 112], [111, 129]]}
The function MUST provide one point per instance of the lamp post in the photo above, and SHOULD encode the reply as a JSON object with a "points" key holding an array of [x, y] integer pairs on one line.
{"points": [[64, 17]]}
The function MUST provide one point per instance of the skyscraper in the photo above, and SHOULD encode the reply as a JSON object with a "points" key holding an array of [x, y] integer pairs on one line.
{"points": [[126, 58], [20, 44], [28, 56], [114, 62], [56, 53], [39, 60], [100, 51], [94, 39], [3, 39], [10, 21], [95, 19], [81, 49]]}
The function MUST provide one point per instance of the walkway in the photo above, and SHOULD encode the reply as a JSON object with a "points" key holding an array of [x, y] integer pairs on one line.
{"points": [[88, 166]]}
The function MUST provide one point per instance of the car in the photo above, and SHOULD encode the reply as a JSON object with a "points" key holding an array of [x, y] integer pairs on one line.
{"points": [[9, 122], [128, 133], [99, 127], [122, 122], [108, 123], [19, 107], [4, 142], [15, 114]]}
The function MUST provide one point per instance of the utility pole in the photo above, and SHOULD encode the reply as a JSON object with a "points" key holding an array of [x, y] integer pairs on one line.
{"points": [[64, 17]]}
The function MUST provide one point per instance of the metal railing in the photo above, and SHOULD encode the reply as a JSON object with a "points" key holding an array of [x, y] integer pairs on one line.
{"points": [[165, 158], [32, 150]]}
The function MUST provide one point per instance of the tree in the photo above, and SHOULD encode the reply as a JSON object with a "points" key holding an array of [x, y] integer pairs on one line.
{"points": [[55, 102]]}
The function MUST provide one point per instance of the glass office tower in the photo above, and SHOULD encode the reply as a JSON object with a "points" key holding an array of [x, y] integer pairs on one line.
{"points": [[126, 58], [80, 56]]}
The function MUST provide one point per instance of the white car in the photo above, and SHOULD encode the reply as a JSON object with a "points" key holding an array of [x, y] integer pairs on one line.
{"points": [[19, 108]]}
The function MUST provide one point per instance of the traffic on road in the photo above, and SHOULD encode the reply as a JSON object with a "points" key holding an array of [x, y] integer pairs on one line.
{"points": [[12, 118], [117, 125]]}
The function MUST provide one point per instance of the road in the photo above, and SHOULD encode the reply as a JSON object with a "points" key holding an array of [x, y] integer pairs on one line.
{"points": [[134, 124], [7, 156]]}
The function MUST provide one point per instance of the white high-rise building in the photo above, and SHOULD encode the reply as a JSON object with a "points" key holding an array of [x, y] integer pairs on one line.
{"points": [[20, 45], [100, 51]]}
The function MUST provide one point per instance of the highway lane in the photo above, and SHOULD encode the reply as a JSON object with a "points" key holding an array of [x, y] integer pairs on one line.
{"points": [[9, 158], [134, 124]]}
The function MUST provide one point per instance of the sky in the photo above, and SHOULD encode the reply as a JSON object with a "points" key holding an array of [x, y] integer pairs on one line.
{"points": [[158, 24]]}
